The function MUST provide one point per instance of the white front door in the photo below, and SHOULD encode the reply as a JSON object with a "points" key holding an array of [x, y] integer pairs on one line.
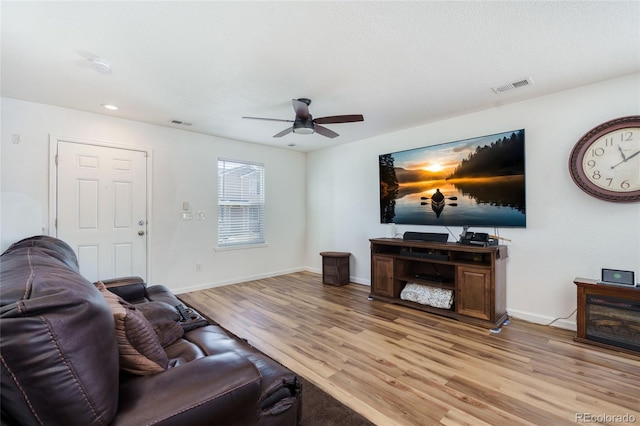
{"points": [[101, 197]]}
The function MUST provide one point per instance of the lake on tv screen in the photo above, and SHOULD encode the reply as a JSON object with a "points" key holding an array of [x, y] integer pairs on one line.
{"points": [[498, 202]]}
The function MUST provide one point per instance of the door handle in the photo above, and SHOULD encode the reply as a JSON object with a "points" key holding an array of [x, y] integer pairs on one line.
{"points": [[141, 233]]}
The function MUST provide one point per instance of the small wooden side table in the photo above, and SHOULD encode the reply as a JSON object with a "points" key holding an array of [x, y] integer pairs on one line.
{"points": [[335, 267]]}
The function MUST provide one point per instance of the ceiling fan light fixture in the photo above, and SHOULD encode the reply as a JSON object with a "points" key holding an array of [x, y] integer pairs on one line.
{"points": [[305, 127], [304, 123]]}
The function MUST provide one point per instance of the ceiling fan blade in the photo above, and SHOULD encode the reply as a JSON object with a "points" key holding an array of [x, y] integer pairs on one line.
{"points": [[325, 132], [301, 108], [339, 119], [269, 119], [284, 132]]}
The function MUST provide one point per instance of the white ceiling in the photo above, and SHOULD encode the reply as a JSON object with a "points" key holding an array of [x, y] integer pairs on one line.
{"points": [[400, 64]]}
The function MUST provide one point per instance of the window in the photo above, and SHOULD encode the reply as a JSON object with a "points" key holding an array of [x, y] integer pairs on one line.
{"points": [[240, 203]]}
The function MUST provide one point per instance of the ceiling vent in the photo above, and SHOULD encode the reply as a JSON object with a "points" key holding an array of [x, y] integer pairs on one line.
{"points": [[513, 85], [181, 123]]}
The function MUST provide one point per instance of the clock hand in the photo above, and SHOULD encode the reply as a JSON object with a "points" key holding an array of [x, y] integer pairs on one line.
{"points": [[626, 159], [632, 155]]}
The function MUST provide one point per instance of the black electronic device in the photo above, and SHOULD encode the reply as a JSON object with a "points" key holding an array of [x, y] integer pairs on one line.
{"points": [[425, 255], [183, 312], [481, 239], [432, 278], [617, 277], [426, 236]]}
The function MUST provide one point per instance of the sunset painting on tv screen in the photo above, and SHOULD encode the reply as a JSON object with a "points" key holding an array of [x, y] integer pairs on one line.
{"points": [[473, 182]]}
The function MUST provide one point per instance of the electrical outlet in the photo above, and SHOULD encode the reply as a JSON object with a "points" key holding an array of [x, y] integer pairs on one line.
{"points": [[198, 267]]}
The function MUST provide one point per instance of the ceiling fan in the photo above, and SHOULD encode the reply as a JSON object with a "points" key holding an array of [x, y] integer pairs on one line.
{"points": [[305, 124]]}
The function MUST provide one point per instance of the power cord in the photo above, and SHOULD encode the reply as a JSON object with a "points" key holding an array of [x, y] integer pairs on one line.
{"points": [[567, 317], [452, 234]]}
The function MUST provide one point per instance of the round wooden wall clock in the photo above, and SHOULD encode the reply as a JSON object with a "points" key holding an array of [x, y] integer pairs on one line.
{"points": [[605, 163]]}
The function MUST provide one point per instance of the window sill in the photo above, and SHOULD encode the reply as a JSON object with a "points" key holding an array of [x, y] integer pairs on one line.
{"points": [[239, 247]]}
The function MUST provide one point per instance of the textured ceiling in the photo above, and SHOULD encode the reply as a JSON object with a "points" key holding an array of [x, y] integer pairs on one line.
{"points": [[400, 64]]}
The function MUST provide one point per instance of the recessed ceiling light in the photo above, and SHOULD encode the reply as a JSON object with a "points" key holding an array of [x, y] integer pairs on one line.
{"points": [[110, 107]]}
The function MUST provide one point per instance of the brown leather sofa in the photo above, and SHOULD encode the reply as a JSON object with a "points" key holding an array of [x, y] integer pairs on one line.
{"points": [[62, 360]]}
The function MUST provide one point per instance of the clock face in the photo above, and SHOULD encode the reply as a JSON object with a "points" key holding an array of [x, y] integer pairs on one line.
{"points": [[612, 162], [605, 162]]}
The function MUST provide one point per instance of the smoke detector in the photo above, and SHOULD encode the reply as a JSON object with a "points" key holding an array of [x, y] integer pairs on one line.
{"points": [[523, 82], [101, 65]]}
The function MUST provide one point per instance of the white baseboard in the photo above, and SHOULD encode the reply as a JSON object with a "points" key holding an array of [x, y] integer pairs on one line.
{"points": [[314, 270], [568, 324], [352, 279], [362, 281], [238, 280]]}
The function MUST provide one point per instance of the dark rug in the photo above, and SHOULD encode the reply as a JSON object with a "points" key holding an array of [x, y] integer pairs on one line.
{"points": [[321, 409], [318, 407]]}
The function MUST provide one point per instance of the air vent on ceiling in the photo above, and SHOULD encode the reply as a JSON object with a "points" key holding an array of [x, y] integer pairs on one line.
{"points": [[513, 85], [181, 123]]}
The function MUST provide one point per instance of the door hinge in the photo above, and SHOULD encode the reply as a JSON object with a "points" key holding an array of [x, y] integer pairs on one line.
{"points": [[57, 158], [55, 223]]}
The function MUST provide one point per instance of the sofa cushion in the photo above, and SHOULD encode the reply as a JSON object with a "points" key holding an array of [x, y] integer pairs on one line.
{"points": [[164, 319], [140, 349], [158, 311], [49, 246], [167, 331]]}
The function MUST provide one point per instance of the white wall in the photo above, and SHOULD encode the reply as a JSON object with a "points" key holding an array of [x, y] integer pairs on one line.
{"points": [[184, 169], [575, 235], [569, 233]]}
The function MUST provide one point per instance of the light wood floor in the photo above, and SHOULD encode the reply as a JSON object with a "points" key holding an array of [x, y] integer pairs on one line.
{"points": [[398, 366]]}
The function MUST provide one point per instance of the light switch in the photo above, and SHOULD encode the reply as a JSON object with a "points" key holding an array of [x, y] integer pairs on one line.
{"points": [[185, 205]]}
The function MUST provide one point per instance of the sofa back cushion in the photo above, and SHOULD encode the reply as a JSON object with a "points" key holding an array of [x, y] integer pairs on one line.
{"points": [[59, 353], [52, 246]]}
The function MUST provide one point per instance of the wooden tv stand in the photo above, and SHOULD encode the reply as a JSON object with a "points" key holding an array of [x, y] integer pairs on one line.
{"points": [[475, 274]]}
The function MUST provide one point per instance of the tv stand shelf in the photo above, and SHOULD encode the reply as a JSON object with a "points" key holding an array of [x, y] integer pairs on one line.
{"points": [[446, 283], [475, 274]]}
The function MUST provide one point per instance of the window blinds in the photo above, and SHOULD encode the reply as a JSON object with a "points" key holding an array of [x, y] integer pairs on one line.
{"points": [[240, 203]]}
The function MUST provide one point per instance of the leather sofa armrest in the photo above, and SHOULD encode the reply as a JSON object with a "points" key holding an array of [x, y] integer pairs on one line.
{"points": [[131, 289], [216, 389], [114, 282], [160, 293]]}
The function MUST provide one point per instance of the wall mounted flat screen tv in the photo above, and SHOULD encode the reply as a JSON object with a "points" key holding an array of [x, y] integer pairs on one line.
{"points": [[476, 182]]}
